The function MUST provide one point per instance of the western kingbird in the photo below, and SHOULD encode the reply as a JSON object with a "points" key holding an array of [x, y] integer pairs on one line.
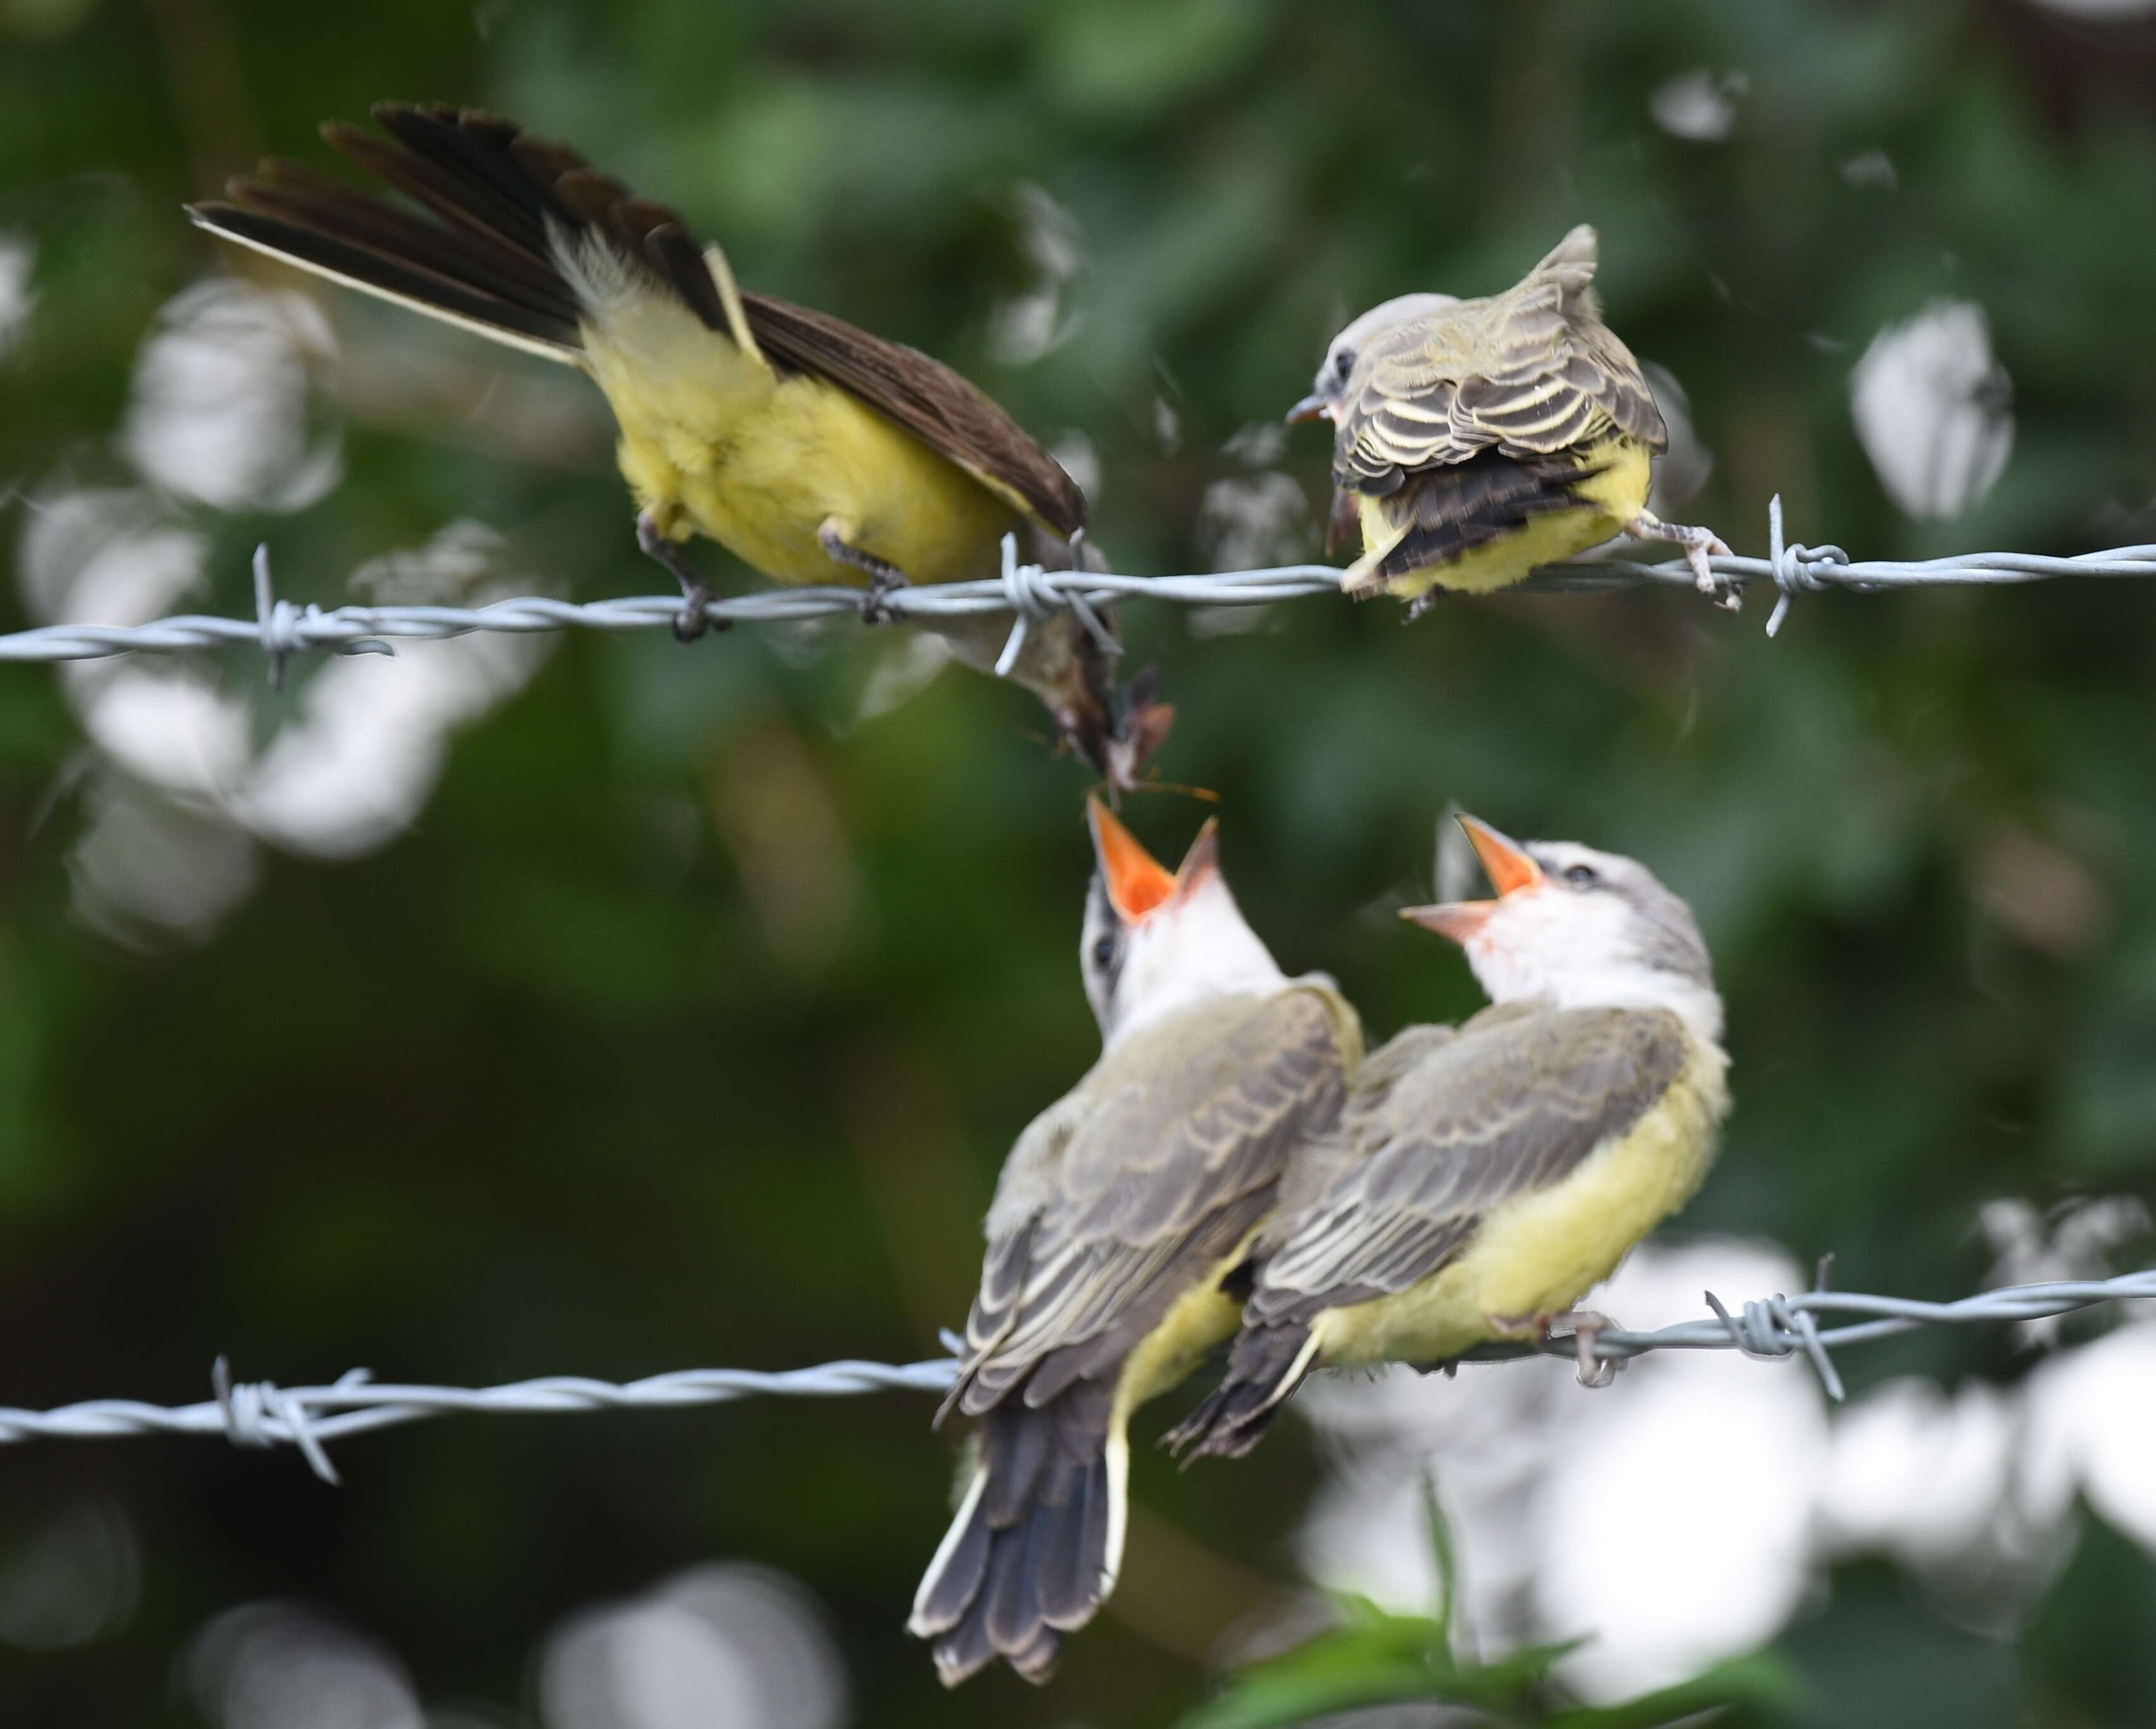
{"points": [[1474, 440], [1480, 1180], [811, 450], [1117, 1213]]}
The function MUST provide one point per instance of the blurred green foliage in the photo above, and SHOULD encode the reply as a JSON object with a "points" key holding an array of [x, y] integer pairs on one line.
{"points": [[597, 1069], [1376, 1658]]}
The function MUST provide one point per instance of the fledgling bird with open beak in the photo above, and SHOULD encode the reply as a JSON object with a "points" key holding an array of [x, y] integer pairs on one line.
{"points": [[811, 450], [1117, 1213], [1474, 440], [1482, 1179]]}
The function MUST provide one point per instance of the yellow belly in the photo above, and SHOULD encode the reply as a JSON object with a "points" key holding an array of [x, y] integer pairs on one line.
{"points": [[1201, 1316], [713, 442], [1541, 1253], [1613, 497]]}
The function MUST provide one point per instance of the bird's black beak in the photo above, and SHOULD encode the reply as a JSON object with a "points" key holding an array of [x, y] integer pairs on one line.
{"points": [[1310, 408]]}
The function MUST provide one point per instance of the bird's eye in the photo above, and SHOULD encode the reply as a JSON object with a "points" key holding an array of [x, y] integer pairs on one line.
{"points": [[1344, 363], [1104, 952], [1581, 876]]}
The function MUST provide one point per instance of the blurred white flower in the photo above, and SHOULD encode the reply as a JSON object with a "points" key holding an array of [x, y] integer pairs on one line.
{"points": [[1668, 1517], [148, 866], [280, 1665], [1687, 463], [1872, 168], [1038, 320], [219, 408], [357, 767], [1934, 409], [75, 1579], [1250, 524], [2103, 11], [1700, 105], [717, 1647], [1081, 461], [18, 261], [2091, 1411]]}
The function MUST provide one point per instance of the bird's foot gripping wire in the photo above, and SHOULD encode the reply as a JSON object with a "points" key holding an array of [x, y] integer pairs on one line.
{"points": [[884, 577], [1700, 544], [1587, 1327], [693, 620], [1424, 601]]}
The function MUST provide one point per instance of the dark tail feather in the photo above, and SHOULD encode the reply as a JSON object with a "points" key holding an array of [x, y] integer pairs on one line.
{"points": [[1027, 1558], [1266, 1366], [481, 253], [1456, 508]]}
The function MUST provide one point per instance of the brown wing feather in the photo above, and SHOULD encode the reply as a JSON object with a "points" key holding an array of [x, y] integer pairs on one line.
{"points": [[928, 399], [1509, 1106]]}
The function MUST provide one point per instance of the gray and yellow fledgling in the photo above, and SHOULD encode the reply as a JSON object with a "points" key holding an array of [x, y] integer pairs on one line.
{"points": [[1476, 439], [1117, 1213], [811, 450], [1481, 1179]]}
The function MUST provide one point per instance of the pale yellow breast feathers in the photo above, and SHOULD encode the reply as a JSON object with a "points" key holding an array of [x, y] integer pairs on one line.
{"points": [[715, 442], [1540, 1253]]}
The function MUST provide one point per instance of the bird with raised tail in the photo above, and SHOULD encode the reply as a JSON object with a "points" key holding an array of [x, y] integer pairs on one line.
{"points": [[1118, 1212], [810, 449], [1474, 440], [1482, 1179]]}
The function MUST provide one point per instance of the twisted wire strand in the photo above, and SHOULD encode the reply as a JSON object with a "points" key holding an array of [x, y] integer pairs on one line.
{"points": [[281, 629], [261, 1414]]}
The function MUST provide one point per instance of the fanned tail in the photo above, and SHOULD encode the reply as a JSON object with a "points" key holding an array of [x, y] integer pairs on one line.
{"points": [[1034, 1550], [483, 243]]}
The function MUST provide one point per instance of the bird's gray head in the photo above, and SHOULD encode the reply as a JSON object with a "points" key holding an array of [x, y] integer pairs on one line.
{"points": [[1153, 942], [1338, 367], [1580, 928]]}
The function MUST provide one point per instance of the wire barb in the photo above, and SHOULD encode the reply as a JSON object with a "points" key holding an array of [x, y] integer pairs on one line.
{"points": [[281, 629], [262, 1415]]}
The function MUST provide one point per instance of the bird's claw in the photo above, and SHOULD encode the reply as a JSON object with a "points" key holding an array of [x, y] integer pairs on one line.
{"points": [[1592, 1369], [875, 600], [1723, 592], [693, 620]]}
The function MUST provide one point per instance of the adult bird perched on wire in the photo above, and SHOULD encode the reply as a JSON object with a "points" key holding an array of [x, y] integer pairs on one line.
{"points": [[1474, 440], [811, 450], [1119, 1210], [1481, 1180]]}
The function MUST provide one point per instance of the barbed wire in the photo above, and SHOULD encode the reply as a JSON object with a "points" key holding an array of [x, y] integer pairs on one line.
{"points": [[260, 1413], [282, 628]]}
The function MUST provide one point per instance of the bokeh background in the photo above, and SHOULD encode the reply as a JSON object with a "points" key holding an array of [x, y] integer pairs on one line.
{"points": [[525, 1006]]}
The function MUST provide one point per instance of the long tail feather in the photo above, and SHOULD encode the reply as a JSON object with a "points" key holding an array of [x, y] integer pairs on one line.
{"points": [[480, 243], [1031, 1556]]}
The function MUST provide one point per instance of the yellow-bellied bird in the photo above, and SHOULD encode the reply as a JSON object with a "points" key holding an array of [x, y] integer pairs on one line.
{"points": [[1119, 1211], [1475, 439], [811, 450], [1482, 1179]]}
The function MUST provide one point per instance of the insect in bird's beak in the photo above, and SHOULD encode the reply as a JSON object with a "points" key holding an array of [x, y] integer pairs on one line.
{"points": [[1511, 872]]}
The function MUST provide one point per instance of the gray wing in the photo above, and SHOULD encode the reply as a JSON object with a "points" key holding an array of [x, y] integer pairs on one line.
{"points": [[1513, 1103], [1533, 372], [1156, 1166]]}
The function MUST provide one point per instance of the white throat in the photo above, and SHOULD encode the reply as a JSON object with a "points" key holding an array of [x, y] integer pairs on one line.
{"points": [[1579, 977], [1190, 952]]}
